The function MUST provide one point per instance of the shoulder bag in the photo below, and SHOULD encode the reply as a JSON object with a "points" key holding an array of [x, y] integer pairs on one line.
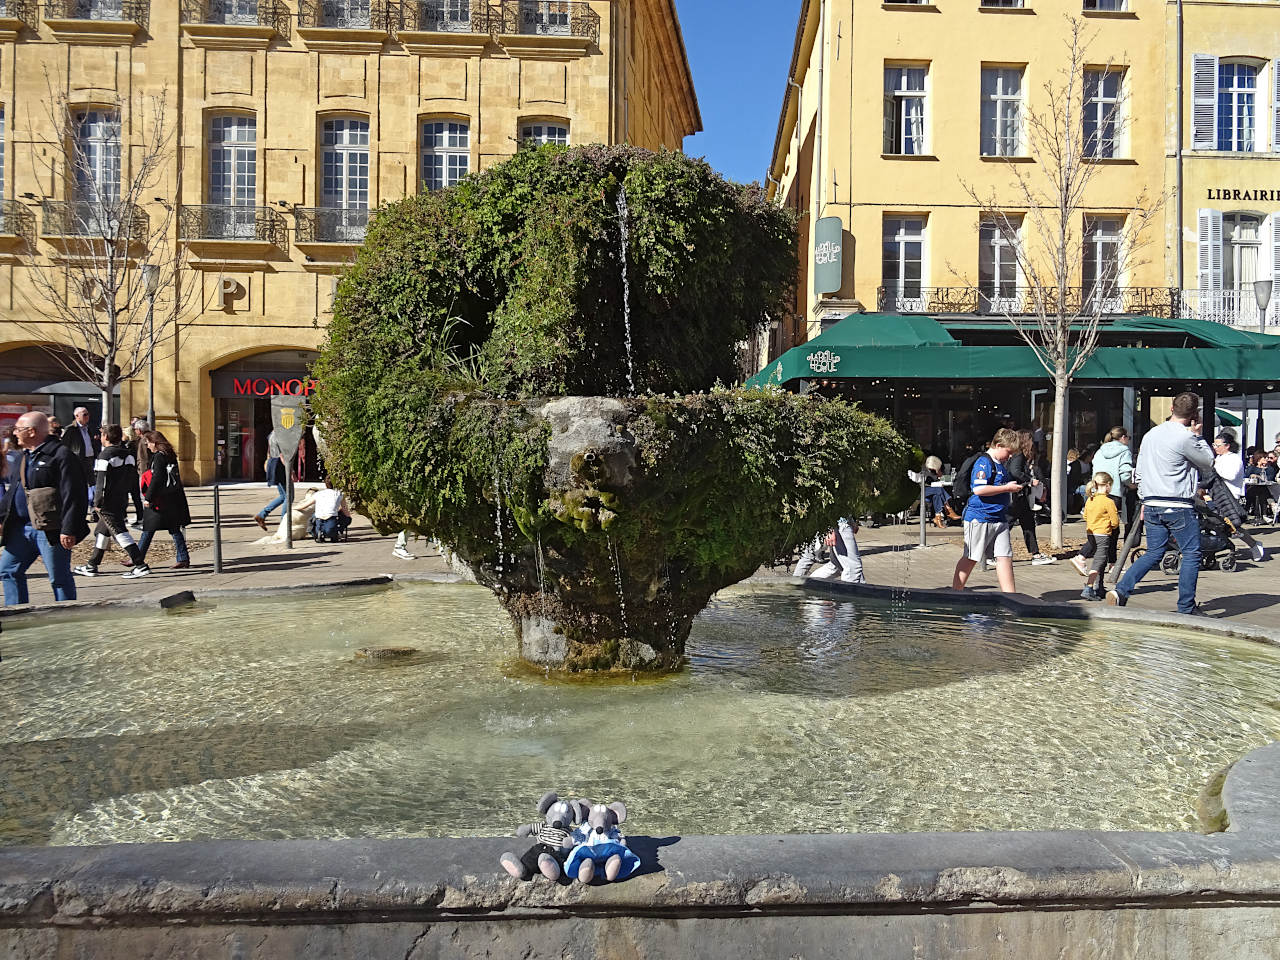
{"points": [[43, 506]]}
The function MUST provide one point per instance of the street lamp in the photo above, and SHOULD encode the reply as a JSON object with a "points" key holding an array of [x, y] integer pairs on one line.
{"points": [[1262, 294], [151, 279]]}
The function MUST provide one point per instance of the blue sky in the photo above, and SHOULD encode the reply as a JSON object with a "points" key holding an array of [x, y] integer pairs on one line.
{"points": [[739, 51]]}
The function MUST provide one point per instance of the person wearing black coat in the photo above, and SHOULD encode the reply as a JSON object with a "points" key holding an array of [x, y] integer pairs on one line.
{"points": [[48, 466], [1023, 469], [116, 475], [164, 502], [84, 443]]}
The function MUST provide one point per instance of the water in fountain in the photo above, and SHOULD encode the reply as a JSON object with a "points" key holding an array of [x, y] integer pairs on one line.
{"points": [[497, 515], [617, 580], [623, 240]]}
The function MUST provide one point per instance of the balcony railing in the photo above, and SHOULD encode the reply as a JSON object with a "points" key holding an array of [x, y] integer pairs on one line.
{"points": [[348, 14], [223, 222], [550, 18], [16, 220], [450, 16], [124, 11], [114, 223], [1020, 301], [1235, 308], [331, 224], [240, 13], [24, 10]]}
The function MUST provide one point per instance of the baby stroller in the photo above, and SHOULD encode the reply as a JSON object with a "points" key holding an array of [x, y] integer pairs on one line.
{"points": [[1217, 552]]}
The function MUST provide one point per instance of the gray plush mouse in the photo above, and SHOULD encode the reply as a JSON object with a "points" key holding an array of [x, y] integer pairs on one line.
{"points": [[553, 838]]}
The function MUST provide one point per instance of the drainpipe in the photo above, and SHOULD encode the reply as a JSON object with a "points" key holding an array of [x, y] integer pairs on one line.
{"points": [[820, 195], [1178, 163]]}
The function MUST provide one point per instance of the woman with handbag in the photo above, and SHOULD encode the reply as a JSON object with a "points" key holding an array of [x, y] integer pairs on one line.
{"points": [[164, 502]]}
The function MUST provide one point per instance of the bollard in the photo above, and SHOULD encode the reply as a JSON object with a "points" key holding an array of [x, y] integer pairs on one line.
{"points": [[924, 529], [288, 511], [217, 531]]}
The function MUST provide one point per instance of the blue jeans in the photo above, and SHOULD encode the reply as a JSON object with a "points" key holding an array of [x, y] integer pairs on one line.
{"points": [[277, 502], [1163, 524], [180, 554], [21, 548]]}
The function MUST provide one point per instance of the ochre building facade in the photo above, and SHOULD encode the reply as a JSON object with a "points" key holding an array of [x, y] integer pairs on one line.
{"points": [[292, 120]]}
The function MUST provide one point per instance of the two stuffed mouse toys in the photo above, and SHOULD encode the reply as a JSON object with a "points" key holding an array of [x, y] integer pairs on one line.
{"points": [[574, 838]]}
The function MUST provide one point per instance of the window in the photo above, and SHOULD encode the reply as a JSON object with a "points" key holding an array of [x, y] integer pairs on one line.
{"points": [[549, 17], [447, 16], [1242, 244], [903, 264], [1108, 5], [904, 97], [1101, 113], [1001, 111], [1001, 3], [446, 153], [1237, 87], [99, 9], [96, 157], [1101, 267], [345, 178], [346, 14], [1, 155], [239, 12], [539, 132], [233, 176], [998, 264]]}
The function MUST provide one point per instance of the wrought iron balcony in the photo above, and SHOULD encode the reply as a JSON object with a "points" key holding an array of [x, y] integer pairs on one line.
{"points": [[24, 10], [1020, 301], [331, 224], [122, 11], [450, 16], [16, 220], [550, 18], [348, 14], [110, 223], [1235, 308], [223, 222], [239, 13]]}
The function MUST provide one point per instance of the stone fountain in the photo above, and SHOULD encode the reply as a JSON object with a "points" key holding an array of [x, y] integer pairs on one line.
{"points": [[529, 368]]}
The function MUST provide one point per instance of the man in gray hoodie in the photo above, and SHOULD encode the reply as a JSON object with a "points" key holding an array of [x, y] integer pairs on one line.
{"points": [[1171, 461]]}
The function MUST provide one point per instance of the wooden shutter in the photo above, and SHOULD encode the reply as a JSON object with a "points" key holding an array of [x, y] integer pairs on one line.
{"points": [[1209, 239], [1275, 106], [1204, 101]]}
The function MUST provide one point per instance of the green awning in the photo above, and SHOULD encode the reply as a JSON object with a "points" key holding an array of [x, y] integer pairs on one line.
{"points": [[1227, 417], [868, 347]]}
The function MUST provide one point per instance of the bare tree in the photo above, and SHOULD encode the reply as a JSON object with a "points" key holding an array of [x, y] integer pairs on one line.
{"points": [[115, 288], [1069, 264]]}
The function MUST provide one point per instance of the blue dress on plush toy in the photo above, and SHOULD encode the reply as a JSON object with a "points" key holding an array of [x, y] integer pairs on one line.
{"points": [[600, 847]]}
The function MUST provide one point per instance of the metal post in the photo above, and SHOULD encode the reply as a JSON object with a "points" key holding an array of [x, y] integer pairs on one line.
{"points": [[923, 526], [151, 362], [288, 507], [217, 530]]}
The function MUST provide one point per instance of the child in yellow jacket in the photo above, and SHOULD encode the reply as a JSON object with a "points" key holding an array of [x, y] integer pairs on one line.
{"points": [[1102, 520]]}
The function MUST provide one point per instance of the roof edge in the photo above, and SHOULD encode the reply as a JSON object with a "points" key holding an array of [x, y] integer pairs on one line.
{"points": [[801, 26]]}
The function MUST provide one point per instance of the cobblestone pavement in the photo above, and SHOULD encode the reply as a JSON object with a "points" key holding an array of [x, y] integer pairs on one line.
{"points": [[891, 557]]}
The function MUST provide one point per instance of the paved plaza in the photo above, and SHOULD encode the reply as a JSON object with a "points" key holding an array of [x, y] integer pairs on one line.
{"points": [[891, 554]]}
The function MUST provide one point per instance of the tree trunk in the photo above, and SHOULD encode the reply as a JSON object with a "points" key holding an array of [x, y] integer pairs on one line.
{"points": [[1059, 495]]}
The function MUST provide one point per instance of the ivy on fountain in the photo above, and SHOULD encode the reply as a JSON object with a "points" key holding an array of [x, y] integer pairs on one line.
{"points": [[474, 387]]}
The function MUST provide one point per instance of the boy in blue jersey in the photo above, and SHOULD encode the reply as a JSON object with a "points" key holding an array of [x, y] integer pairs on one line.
{"points": [[986, 515]]}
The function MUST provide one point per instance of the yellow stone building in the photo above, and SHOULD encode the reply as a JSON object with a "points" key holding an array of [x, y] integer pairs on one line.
{"points": [[292, 119], [890, 114]]}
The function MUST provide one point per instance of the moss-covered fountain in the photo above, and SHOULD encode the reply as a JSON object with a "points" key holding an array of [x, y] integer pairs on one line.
{"points": [[529, 368]]}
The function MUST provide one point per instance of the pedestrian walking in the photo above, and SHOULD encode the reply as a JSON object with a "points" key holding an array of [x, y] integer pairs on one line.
{"points": [[1102, 521], [986, 514], [1171, 461], [116, 475], [1023, 468], [44, 512], [277, 476], [1115, 458], [138, 445], [84, 443], [164, 502], [401, 550]]}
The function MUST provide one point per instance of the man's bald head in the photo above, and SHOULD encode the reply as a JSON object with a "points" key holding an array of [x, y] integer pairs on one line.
{"points": [[32, 429]]}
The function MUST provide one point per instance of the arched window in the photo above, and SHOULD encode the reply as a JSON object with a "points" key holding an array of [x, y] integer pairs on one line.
{"points": [[538, 132], [344, 182], [446, 152]]}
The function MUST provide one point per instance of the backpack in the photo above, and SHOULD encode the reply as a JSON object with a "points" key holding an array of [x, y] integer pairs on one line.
{"points": [[960, 488]]}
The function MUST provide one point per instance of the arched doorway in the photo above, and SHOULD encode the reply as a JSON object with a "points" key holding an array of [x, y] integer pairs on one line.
{"points": [[34, 377], [242, 393]]}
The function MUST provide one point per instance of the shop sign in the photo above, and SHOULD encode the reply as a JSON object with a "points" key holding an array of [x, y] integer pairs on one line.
{"points": [[1222, 193], [265, 384], [828, 255], [824, 361]]}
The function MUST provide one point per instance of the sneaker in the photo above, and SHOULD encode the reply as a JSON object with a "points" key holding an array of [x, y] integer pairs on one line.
{"points": [[987, 566], [403, 554], [84, 570], [1116, 599], [1081, 567], [1040, 559], [1088, 593], [136, 525], [140, 570], [1199, 611]]}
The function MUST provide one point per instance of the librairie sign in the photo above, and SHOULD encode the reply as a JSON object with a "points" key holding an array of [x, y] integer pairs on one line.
{"points": [[1222, 193]]}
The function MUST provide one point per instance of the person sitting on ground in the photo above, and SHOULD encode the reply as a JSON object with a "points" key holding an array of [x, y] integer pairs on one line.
{"points": [[331, 516], [986, 515], [1102, 520], [116, 474]]}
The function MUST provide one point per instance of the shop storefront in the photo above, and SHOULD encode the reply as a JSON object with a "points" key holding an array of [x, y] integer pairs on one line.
{"points": [[242, 394], [33, 378]]}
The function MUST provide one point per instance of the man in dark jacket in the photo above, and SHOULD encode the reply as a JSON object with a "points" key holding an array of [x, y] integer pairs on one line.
{"points": [[83, 442], [115, 475], [47, 466]]}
